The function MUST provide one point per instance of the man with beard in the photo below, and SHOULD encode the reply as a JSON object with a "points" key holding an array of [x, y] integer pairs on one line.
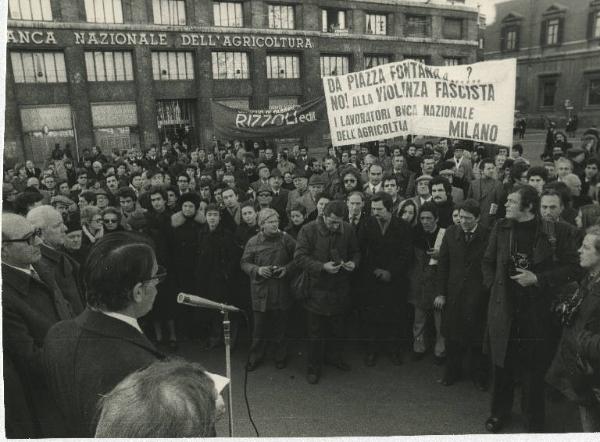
{"points": [[441, 193], [385, 246]]}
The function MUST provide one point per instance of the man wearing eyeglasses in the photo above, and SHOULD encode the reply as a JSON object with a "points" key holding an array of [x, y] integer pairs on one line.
{"points": [[31, 303], [84, 358]]}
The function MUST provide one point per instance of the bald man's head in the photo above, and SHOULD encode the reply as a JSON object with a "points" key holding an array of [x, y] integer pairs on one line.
{"points": [[50, 221], [20, 245]]}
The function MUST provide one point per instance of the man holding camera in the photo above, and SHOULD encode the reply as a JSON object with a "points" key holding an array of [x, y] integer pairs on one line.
{"points": [[525, 262]]}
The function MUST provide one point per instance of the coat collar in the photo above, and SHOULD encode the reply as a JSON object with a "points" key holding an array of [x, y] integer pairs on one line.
{"points": [[104, 325], [325, 231]]}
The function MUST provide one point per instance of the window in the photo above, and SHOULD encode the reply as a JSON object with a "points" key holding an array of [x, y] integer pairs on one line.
{"points": [[103, 11], [172, 65], [481, 43], [452, 28], [168, 12], [417, 26], [39, 67], [420, 59], [30, 10], [593, 95], [228, 14], [597, 25], [548, 87], [511, 39], [334, 65], [230, 66], [452, 61], [334, 20], [552, 31], [108, 66], [283, 66], [281, 17], [375, 60], [376, 24]]}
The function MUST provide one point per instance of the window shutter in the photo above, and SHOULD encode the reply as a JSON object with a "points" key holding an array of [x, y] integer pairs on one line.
{"points": [[543, 31], [503, 39], [561, 29], [518, 38]]}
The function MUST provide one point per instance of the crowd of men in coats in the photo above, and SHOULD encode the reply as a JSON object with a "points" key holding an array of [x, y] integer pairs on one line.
{"points": [[461, 249]]}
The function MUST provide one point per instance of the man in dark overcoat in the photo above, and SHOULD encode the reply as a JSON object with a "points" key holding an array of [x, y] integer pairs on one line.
{"points": [[65, 269], [86, 357], [523, 265], [31, 303], [327, 251], [386, 247], [463, 296]]}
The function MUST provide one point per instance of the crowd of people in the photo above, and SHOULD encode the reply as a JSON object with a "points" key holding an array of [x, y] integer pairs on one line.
{"points": [[460, 249]]}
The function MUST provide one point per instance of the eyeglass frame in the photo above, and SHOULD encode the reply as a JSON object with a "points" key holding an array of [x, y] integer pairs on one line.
{"points": [[110, 221], [160, 275], [29, 238]]}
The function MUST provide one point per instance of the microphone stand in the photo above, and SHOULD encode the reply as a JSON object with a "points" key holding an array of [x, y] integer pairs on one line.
{"points": [[227, 341]]}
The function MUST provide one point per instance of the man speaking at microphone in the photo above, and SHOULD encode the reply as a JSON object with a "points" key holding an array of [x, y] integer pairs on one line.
{"points": [[87, 356]]}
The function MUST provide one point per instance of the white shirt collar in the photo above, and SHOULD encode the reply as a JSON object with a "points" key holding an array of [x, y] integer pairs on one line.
{"points": [[127, 319], [27, 270]]}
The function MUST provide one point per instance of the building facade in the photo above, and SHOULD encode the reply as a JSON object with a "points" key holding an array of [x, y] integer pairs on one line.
{"points": [[127, 73], [557, 47]]}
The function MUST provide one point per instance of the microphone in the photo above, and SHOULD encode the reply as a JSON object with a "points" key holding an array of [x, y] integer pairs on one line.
{"points": [[197, 301]]}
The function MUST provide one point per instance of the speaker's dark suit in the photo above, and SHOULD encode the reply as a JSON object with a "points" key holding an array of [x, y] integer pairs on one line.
{"points": [[85, 358]]}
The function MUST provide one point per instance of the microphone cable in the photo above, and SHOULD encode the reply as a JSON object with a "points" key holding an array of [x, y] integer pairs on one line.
{"points": [[245, 314]]}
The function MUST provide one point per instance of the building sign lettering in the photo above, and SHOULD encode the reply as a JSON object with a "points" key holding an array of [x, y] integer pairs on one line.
{"points": [[120, 38], [157, 39], [35, 37]]}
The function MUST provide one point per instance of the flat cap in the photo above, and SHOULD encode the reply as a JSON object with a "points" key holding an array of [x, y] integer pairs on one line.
{"points": [[61, 199], [424, 178]]}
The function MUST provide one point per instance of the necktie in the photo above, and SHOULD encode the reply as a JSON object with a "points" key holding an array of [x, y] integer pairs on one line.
{"points": [[468, 236]]}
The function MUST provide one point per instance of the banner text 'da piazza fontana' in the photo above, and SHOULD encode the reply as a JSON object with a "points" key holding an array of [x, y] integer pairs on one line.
{"points": [[178, 39]]}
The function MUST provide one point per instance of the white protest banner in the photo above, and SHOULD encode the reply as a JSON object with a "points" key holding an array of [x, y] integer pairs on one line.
{"points": [[469, 102]]}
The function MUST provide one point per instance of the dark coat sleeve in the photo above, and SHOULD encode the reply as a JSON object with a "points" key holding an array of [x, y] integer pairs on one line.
{"points": [[488, 265], [304, 249], [567, 266]]}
